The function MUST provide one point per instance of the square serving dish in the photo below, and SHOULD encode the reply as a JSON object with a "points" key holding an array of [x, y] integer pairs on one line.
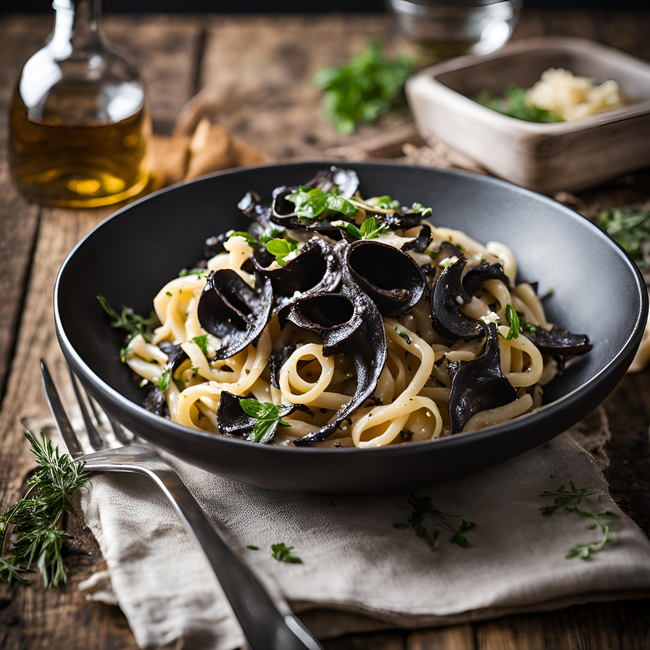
{"points": [[544, 157]]}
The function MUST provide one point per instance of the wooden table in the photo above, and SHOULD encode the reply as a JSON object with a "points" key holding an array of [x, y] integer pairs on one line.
{"points": [[261, 65]]}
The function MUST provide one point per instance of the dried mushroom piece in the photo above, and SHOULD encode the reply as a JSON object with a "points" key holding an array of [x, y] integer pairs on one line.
{"points": [[559, 342], [479, 384], [391, 278], [420, 243], [477, 275], [233, 311]]}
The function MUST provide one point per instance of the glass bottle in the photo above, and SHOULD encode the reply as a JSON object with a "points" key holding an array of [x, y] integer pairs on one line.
{"points": [[79, 126]]}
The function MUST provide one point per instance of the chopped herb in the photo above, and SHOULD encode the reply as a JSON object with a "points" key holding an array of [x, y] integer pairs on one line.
{"points": [[282, 553], [35, 519], [202, 342], [484, 262], [349, 228], [312, 202], [434, 254], [515, 104], [630, 228], [425, 212], [273, 231], [268, 416], [253, 548], [423, 509], [513, 319], [370, 228], [163, 382], [196, 271], [363, 89], [384, 202], [250, 240], [405, 336], [525, 326], [123, 353], [569, 500], [143, 383], [281, 248], [130, 321], [169, 293]]}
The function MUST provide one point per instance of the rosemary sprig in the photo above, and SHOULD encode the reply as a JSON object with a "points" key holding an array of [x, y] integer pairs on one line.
{"points": [[128, 320], [569, 500], [423, 509], [36, 517]]}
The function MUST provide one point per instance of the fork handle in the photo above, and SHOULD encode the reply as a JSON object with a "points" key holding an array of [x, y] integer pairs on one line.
{"points": [[266, 620]]}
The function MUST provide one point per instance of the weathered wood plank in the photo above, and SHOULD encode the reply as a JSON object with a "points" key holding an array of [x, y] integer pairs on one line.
{"points": [[373, 641], [459, 637]]}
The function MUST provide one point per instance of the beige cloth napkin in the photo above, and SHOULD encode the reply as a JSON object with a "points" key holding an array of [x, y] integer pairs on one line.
{"points": [[359, 572]]}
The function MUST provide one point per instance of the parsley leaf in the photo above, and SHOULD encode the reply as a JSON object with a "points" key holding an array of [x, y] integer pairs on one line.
{"points": [[202, 342], [629, 228], [363, 89], [268, 416], [420, 209], [163, 382], [250, 240], [273, 231], [311, 202], [515, 104], [282, 553], [384, 202], [513, 319], [370, 228], [196, 271], [130, 321], [281, 248]]}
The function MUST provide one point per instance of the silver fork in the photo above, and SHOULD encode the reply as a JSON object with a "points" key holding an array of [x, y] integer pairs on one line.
{"points": [[265, 618]]}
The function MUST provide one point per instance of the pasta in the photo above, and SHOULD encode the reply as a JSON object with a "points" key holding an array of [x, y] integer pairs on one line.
{"points": [[364, 327]]}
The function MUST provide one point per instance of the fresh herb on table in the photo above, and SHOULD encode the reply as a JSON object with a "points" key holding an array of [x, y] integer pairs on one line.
{"points": [[311, 202], [253, 548], [367, 87], [282, 553], [630, 228], [569, 500], [130, 321], [513, 319], [515, 104], [35, 518], [418, 208], [425, 512], [281, 248], [370, 228], [268, 416], [250, 240], [202, 342]]}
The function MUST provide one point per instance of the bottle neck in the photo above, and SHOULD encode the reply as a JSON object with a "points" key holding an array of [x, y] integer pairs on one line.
{"points": [[76, 26]]}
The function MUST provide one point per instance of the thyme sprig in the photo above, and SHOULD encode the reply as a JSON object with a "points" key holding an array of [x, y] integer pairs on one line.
{"points": [[36, 518], [569, 500], [128, 320], [424, 511]]}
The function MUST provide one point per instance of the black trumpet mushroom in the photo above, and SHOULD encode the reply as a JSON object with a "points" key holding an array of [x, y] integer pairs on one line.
{"points": [[420, 243], [446, 299], [155, 400], [315, 269], [233, 421], [284, 214], [477, 275], [479, 384], [233, 311], [349, 323], [398, 220], [391, 278], [559, 342]]}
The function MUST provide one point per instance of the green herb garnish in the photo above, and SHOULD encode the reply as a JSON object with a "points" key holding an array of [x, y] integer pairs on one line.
{"points": [[568, 500], [405, 336], [195, 271], [420, 209], [423, 509], [282, 553], [250, 240], [630, 228], [163, 382], [370, 228], [384, 202], [202, 342], [253, 548], [130, 321], [515, 104], [363, 89], [281, 248], [268, 419], [513, 319], [273, 231], [311, 202], [36, 517], [525, 326]]}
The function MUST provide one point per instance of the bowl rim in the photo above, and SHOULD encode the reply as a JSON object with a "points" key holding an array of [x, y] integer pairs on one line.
{"points": [[138, 412], [430, 77]]}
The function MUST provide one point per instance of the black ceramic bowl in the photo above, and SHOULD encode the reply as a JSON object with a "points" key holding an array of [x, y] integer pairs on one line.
{"points": [[598, 291]]}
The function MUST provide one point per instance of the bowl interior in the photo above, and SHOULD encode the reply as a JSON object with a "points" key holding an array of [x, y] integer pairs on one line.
{"points": [[130, 256]]}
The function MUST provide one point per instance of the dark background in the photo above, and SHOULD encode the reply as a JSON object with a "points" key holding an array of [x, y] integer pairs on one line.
{"points": [[293, 6]]}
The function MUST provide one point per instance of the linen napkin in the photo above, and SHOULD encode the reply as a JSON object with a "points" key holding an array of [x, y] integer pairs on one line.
{"points": [[359, 572]]}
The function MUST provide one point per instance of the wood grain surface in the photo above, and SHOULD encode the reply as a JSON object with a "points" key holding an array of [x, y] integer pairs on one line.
{"points": [[254, 70]]}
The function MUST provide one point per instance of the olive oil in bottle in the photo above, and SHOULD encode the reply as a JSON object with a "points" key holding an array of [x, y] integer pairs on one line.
{"points": [[79, 126]]}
